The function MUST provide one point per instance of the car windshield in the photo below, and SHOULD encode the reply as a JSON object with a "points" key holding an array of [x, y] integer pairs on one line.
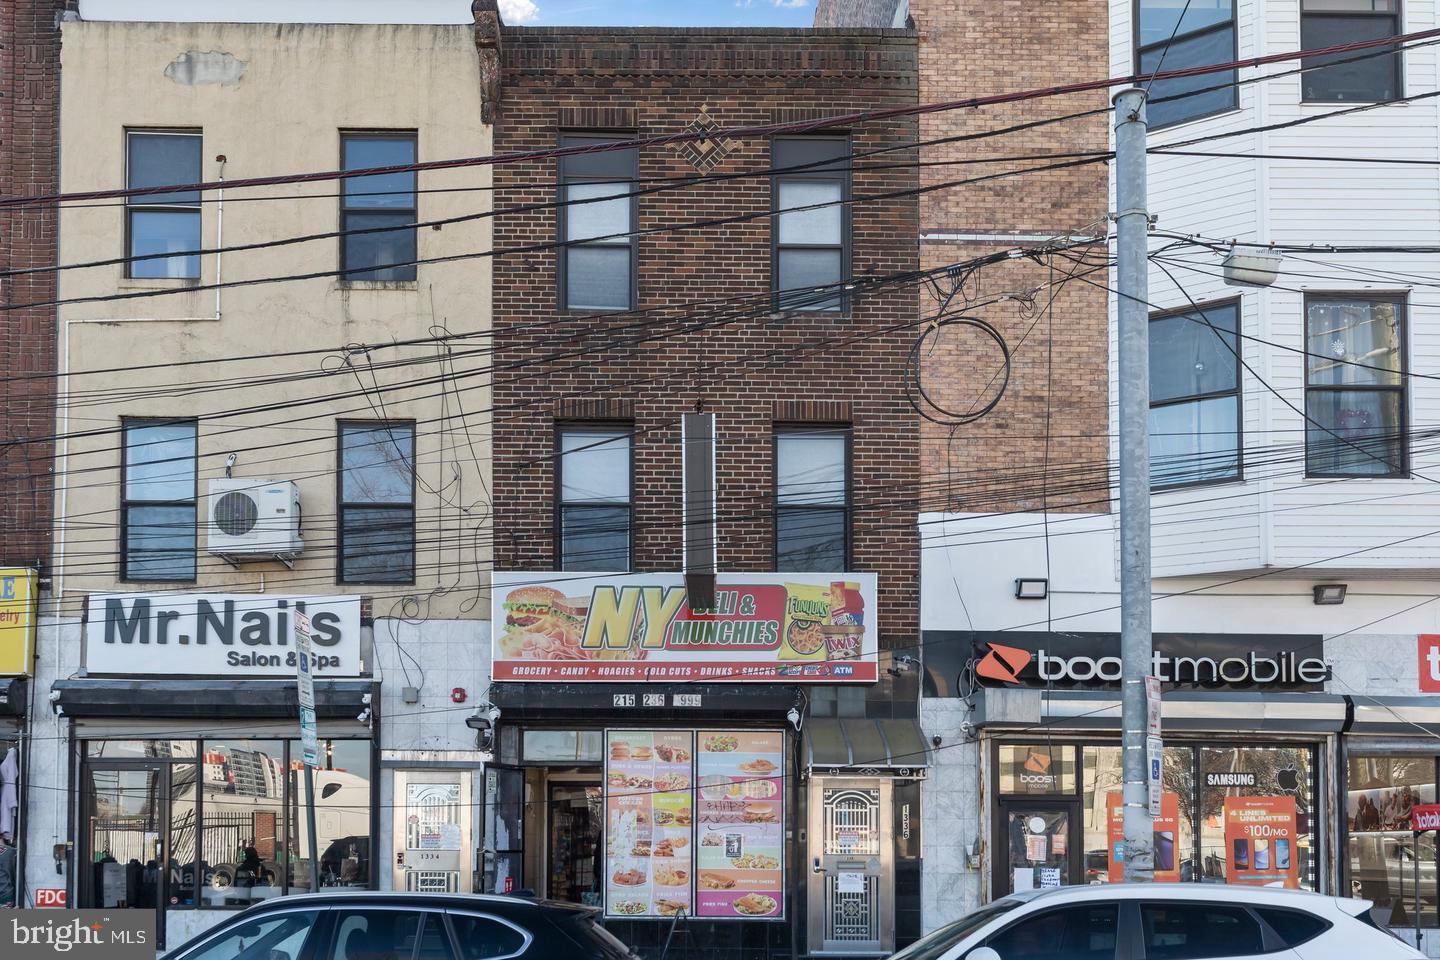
{"points": [[936, 944], [585, 931]]}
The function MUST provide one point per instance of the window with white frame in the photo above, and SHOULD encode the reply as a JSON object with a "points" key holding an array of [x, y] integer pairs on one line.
{"points": [[592, 479], [812, 225]]}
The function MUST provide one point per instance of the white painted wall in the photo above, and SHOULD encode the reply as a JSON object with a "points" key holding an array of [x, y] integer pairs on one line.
{"points": [[1276, 517]]}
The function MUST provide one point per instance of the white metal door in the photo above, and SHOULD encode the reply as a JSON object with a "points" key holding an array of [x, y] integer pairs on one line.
{"points": [[851, 890], [432, 831]]}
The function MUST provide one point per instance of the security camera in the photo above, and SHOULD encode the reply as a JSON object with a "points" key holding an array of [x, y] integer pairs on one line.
{"points": [[54, 696], [795, 717], [937, 740], [363, 716]]}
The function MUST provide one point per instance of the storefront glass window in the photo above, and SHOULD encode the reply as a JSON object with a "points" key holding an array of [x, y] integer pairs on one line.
{"points": [[1278, 776], [564, 746], [227, 816], [242, 783], [1380, 847], [1037, 768], [1103, 779], [342, 815]]}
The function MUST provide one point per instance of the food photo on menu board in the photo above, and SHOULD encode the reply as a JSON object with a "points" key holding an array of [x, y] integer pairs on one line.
{"points": [[740, 824], [649, 815]]}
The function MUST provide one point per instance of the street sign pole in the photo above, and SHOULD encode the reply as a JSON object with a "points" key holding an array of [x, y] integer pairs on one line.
{"points": [[309, 740]]}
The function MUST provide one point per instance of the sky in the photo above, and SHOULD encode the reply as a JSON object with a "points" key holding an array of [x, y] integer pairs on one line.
{"points": [[613, 13]]}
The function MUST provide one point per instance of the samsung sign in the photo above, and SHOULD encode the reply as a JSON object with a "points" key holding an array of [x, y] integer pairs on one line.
{"points": [[217, 635]]}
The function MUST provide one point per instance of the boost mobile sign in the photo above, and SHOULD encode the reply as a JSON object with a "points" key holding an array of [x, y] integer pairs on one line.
{"points": [[217, 635]]}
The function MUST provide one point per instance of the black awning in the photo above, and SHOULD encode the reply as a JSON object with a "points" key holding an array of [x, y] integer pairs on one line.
{"points": [[601, 703], [334, 699], [853, 743], [13, 696]]}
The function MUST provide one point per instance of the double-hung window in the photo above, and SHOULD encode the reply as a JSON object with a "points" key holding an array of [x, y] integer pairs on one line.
{"points": [[1195, 396], [592, 477], [162, 223], [377, 202], [1369, 75], [1355, 386], [377, 503], [158, 504], [1199, 33], [812, 499], [812, 224], [595, 222]]}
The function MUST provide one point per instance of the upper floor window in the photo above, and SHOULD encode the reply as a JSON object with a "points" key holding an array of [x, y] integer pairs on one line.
{"points": [[376, 520], [378, 201], [811, 246], [1194, 34], [595, 220], [157, 509], [592, 477], [1195, 396], [1365, 78], [159, 223], [1355, 386], [812, 499]]}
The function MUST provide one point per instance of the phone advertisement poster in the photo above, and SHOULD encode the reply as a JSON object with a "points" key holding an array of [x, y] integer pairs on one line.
{"points": [[1167, 838], [1261, 841], [740, 824]]}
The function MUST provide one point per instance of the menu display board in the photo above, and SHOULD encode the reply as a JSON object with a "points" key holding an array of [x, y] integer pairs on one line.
{"points": [[1167, 838], [740, 823], [1261, 839], [649, 813]]}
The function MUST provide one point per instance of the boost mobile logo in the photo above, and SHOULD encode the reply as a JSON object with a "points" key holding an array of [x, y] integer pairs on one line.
{"points": [[1003, 663]]}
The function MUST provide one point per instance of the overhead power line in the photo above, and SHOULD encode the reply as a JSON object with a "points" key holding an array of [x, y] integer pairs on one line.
{"points": [[745, 132]]}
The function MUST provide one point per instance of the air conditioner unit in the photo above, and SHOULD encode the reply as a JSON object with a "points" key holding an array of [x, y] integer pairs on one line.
{"points": [[254, 519]]}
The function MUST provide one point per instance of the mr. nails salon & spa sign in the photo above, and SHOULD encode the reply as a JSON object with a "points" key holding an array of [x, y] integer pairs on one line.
{"points": [[217, 635]]}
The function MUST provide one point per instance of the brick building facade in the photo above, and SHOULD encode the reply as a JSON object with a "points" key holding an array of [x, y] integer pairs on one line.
{"points": [[973, 49], [750, 366], [708, 323], [29, 151]]}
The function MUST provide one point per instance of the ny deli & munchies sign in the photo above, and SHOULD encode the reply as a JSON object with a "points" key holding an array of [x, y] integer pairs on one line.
{"points": [[778, 627]]}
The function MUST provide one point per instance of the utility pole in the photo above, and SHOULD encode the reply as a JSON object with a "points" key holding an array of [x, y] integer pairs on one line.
{"points": [[1132, 229]]}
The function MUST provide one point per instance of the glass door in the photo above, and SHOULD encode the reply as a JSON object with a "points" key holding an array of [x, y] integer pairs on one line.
{"points": [[504, 829], [432, 831], [1038, 845], [128, 816]]}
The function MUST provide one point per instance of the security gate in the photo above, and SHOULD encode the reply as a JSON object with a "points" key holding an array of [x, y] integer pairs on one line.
{"points": [[432, 831], [852, 887]]}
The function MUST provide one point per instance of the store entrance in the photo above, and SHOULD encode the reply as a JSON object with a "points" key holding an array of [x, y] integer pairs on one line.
{"points": [[128, 821], [1039, 845], [574, 814]]}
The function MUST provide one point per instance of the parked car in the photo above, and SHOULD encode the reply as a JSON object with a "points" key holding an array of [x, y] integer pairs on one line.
{"points": [[369, 925], [1164, 921]]}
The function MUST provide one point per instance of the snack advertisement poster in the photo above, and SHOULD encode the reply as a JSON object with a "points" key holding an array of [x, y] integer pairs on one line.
{"points": [[740, 824], [1168, 852], [1261, 841], [649, 811], [765, 627]]}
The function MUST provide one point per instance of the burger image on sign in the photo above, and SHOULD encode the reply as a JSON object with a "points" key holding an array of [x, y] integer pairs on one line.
{"points": [[541, 623]]}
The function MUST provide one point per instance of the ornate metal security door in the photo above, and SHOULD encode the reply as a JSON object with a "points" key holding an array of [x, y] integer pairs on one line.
{"points": [[851, 890]]}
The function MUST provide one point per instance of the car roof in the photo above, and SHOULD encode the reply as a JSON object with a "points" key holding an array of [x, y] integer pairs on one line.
{"points": [[461, 901], [1170, 891]]}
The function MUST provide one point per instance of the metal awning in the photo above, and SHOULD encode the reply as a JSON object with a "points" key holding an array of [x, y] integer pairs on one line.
{"points": [[93, 697], [1183, 710], [855, 744]]}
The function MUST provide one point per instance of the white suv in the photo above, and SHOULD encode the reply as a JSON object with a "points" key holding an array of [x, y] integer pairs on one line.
{"points": [[1164, 921]]}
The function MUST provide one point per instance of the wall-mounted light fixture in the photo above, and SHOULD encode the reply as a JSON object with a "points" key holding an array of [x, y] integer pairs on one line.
{"points": [[1028, 589], [1329, 594]]}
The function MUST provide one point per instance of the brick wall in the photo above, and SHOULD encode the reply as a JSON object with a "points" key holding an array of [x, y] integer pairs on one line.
{"points": [[29, 98], [971, 48], [750, 371]]}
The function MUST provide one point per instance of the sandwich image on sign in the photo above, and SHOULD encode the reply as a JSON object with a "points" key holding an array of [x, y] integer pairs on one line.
{"points": [[541, 623]]}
